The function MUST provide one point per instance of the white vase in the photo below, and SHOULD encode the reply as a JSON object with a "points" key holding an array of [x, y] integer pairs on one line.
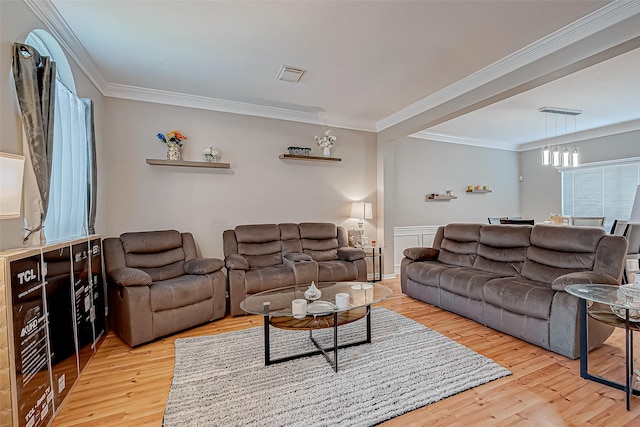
{"points": [[326, 152]]}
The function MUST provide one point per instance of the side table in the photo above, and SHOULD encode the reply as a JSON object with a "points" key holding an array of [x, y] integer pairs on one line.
{"points": [[374, 252], [605, 294]]}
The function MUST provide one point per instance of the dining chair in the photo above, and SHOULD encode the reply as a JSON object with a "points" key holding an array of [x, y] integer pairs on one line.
{"points": [[496, 220], [516, 221], [618, 227], [587, 221]]}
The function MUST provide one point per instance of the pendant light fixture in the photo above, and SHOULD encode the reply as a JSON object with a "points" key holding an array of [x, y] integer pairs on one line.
{"points": [[562, 154]]}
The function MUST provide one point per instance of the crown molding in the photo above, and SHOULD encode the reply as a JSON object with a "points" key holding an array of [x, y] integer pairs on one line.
{"points": [[441, 137], [615, 129], [156, 96], [599, 20], [55, 23]]}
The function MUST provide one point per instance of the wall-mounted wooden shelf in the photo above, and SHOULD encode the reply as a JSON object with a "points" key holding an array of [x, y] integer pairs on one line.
{"points": [[431, 197], [299, 157], [479, 191], [188, 163]]}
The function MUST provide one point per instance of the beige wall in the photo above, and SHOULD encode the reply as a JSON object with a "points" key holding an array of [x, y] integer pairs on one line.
{"points": [[424, 167], [258, 188], [541, 189], [17, 21]]}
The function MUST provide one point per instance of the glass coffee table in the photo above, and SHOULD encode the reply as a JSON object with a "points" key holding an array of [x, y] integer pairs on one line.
{"points": [[627, 319], [276, 308]]}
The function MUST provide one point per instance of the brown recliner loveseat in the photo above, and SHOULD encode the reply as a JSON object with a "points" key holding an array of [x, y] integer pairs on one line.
{"points": [[261, 257], [157, 285]]}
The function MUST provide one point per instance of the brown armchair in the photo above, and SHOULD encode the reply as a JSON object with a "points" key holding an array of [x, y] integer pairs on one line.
{"points": [[157, 285]]}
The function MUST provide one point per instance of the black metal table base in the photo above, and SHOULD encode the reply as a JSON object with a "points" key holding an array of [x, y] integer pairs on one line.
{"points": [[584, 362], [319, 349]]}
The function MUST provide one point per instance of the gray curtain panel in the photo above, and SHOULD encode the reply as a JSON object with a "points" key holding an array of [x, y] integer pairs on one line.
{"points": [[34, 77], [92, 184]]}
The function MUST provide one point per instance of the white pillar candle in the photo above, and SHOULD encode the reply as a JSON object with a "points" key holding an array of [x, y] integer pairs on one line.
{"points": [[358, 295], [299, 308], [342, 300]]}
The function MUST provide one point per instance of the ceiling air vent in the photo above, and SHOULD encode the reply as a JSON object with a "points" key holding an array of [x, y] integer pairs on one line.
{"points": [[290, 74]]}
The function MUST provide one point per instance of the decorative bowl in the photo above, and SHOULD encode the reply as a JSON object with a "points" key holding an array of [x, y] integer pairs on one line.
{"points": [[628, 295]]}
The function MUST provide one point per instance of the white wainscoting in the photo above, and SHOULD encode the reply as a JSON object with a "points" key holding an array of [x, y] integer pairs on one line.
{"points": [[409, 237]]}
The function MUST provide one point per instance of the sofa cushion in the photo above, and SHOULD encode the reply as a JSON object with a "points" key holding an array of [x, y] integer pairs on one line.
{"points": [[502, 250], [566, 239], [267, 278], [336, 271], [318, 230], [427, 272], [261, 255], [465, 282], [179, 292], [257, 233], [460, 244], [146, 242], [520, 296]]}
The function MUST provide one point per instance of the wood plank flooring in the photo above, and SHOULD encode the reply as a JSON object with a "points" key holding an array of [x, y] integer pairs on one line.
{"points": [[129, 387]]}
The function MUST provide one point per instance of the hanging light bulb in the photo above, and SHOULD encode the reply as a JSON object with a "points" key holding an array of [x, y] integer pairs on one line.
{"points": [[546, 156], [556, 157], [566, 157], [575, 158]]}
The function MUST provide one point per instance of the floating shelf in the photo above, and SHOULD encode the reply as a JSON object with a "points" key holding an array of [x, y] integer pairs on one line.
{"points": [[188, 163], [299, 157], [440, 197], [479, 191]]}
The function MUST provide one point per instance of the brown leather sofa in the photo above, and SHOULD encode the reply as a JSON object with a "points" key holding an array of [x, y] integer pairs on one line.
{"points": [[157, 285], [512, 278], [260, 257]]}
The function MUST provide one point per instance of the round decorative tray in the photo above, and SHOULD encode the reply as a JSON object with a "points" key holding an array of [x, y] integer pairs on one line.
{"points": [[321, 307]]}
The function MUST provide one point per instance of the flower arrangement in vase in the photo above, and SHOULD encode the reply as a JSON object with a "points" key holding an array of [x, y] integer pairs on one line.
{"points": [[174, 140], [210, 154], [326, 142]]}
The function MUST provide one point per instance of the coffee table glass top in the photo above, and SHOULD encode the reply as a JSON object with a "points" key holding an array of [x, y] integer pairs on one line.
{"points": [[279, 300]]}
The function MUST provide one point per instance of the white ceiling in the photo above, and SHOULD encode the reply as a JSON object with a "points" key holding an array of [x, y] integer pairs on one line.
{"points": [[367, 62]]}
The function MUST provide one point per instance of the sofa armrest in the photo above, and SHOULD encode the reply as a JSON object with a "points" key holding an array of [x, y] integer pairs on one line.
{"points": [[421, 254], [236, 262], [350, 254], [127, 276], [296, 257], [202, 265], [582, 277]]}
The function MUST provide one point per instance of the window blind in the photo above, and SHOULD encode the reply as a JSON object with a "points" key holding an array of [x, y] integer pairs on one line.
{"points": [[601, 189]]}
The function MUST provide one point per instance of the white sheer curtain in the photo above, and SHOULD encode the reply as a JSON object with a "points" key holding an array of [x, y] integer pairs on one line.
{"points": [[67, 214]]}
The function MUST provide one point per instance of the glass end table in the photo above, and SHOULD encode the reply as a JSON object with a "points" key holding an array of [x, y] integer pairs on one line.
{"points": [[608, 295]]}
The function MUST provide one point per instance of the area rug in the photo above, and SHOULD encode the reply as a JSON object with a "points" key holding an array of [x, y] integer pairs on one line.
{"points": [[221, 380]]}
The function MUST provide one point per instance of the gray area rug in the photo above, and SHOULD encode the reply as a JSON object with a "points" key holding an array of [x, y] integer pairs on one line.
{"points": [[221, 380]]}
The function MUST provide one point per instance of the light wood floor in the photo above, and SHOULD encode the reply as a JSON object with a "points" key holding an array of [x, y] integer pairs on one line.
{"points": [[129, 387]]}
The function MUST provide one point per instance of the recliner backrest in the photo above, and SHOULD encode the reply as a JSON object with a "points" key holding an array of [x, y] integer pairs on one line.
{"points": [[503, 250], [259, 243], [160, 254], [556, 250], [459, 244], [319, 240]]}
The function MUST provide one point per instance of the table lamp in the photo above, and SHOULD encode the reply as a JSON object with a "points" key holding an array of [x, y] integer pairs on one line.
{"points": [[361, 211], [11, 171]]}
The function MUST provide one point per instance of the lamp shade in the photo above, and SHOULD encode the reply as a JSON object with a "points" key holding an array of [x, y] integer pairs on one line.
{"points": [[11, 169], [361, 210], [635, 210]]}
